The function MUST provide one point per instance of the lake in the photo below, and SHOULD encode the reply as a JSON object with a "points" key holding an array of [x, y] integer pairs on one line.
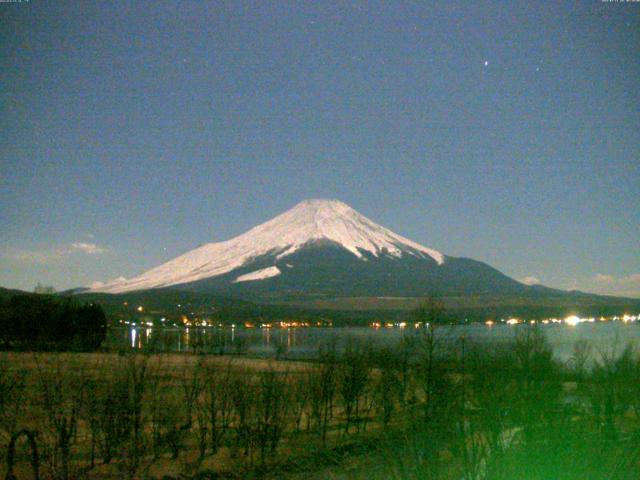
{"points": [[299, 343]]}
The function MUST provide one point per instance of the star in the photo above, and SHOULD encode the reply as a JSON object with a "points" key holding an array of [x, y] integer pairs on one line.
{"points": [[486, 63]]}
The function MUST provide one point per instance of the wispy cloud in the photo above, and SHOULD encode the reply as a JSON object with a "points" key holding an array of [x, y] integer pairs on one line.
{"points": [[88, 248], [604, 283], [52, 254], [530, 280], [97, 284], [602, 278], [627, 283], [33, 256]]}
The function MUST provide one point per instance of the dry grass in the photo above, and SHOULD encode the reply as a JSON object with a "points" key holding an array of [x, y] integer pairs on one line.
{"points": [[98, 361], [363, 414]]}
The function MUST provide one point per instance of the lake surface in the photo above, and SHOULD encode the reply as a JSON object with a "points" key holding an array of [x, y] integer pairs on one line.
{"points": [[297, 343]]}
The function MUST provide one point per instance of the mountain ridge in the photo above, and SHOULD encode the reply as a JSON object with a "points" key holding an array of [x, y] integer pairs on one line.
{"points": [[323, 252]]}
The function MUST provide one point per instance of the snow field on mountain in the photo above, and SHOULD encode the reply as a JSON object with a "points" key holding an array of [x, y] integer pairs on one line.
{"points": [[309, 221]]}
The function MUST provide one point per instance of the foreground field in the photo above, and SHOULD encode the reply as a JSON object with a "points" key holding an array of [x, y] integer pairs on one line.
{"points": [[413, 412]]}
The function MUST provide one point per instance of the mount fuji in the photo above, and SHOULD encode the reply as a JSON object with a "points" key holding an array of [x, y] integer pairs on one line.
{"points": [[320, 248]]}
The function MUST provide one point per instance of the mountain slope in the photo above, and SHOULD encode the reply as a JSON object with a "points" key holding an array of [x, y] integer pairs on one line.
{"points": [[325, 269], [311, 222], [323, 249], [324, 256]]}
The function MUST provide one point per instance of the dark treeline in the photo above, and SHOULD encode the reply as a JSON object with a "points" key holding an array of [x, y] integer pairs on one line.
{"points": [[420, 410], [46, 322]]}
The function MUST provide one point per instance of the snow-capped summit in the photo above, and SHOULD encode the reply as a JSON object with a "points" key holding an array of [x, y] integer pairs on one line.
{"points": [[335, 221], [308, 223]]}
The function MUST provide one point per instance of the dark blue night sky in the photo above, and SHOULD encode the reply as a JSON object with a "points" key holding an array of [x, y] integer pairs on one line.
{"points": [[508, 132]]}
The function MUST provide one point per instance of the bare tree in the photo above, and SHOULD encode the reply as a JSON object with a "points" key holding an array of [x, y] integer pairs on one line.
{"points": [[61, 393]]}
